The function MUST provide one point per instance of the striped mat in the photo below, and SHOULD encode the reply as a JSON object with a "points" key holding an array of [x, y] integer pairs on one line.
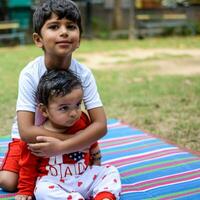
{"points": [[150, 167]]}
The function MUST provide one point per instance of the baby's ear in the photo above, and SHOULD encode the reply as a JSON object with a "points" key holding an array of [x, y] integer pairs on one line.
{"points": [[43, 109]]}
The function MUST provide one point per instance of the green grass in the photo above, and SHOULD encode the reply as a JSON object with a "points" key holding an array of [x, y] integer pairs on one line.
{"points": [[165, 105], [168, 42]]}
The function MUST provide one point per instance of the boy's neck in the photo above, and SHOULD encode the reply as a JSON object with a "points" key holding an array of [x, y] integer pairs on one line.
{"points": [[57, 62]]}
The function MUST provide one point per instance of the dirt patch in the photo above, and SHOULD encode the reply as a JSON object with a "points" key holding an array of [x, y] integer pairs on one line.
{"points": [[163, 61]]}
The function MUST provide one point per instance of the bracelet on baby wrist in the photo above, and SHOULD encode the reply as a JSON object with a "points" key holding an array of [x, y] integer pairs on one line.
{"points": [[96, 158], [96, 153]]}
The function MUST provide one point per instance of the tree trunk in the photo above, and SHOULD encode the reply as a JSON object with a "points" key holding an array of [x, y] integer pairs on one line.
{"points": [[117, 15], [131, 19]]}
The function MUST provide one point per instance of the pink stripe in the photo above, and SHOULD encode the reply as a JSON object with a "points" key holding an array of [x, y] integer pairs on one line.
{"points": [[181, 195], [122, 161], [157, 166], [7, 195], [117, 125], [164, 178], [167, 182], [119, 141], [107, 141], [134, 148]]}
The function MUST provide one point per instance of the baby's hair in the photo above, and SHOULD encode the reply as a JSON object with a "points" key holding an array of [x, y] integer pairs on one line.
{"points": [[56, 83], [62, 8]]}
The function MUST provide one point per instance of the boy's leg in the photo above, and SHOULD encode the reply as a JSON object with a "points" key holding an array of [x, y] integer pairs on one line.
{"points": [[8, 180], [10, 167]]}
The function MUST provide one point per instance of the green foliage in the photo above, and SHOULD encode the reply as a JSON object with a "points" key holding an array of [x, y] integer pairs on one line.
{"points": [[100, 28], [196, 26]]}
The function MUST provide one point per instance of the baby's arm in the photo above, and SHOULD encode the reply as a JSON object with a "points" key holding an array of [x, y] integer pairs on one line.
{"points": [[81, 140]]}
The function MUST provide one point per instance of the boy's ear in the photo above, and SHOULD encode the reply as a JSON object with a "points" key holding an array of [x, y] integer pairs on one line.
{"points": [[78, 45], [43, 109], [37, 40]]}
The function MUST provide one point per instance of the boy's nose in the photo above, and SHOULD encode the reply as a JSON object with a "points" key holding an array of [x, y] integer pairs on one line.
{"points": [[64, 31]]}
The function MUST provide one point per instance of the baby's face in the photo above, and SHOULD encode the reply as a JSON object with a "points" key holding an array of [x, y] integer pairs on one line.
{"points": [[64, 111]]}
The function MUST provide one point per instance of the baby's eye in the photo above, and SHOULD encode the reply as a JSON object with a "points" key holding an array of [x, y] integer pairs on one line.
{"points": [[64, 108], [78, 105]]}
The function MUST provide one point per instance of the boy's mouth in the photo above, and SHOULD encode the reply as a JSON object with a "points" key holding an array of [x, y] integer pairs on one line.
{"points": [[63, 42]]}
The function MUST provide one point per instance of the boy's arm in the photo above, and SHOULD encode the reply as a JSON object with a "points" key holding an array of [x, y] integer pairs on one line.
{"points": [[83, 139], [28, 131]]}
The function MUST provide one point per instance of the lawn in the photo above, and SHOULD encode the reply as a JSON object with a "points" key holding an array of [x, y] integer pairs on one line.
{"points": [[164, 104]]}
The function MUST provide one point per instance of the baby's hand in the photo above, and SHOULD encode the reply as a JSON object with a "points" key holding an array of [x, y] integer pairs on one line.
{"points": [[95, 155], [23, 197]]}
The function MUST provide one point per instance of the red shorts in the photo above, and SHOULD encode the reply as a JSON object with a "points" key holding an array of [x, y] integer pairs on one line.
{"points": [[12, 157]]}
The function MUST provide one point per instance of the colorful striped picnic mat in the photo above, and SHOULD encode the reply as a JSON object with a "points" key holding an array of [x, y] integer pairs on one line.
{"points": [[150, 167]]}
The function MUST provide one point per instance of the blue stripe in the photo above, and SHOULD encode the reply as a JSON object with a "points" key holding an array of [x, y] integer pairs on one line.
{"points": [[118, 154], [120, 132], [169, 189], [157, 173]]}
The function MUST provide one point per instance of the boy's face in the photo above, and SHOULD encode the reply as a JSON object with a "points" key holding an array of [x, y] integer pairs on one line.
{"points": [[64, 111], [59, 37]]}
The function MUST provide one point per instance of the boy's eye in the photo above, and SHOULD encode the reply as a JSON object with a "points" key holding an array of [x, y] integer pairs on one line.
{"points": [[54, 27], [71, 27]]}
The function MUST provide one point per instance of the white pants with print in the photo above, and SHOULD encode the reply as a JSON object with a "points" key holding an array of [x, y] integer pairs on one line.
{"points": [[95, 179]]}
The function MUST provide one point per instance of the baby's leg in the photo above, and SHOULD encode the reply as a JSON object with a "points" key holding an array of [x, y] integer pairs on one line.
{"points": [[107, 184], [51, 191], [10, 167]]}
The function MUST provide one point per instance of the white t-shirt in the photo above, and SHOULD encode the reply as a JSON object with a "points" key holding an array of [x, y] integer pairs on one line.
{"points": [[28, 82]]}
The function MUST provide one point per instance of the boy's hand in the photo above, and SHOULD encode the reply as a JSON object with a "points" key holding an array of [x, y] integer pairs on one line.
{"points": [[23, 197], [46, 146]]}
